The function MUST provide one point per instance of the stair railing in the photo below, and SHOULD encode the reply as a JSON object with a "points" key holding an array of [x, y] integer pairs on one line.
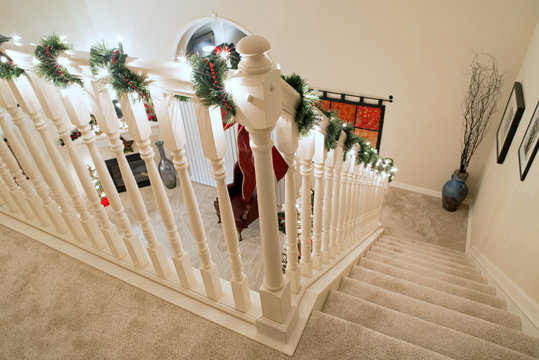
{"points": [[345, 210]]}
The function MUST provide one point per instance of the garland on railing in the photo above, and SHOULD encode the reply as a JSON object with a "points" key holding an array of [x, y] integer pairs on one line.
{"points": [[98, 186], [209, 75], [109, 63], [333, 131], [306, 115], [51, 65], [8, 69]]}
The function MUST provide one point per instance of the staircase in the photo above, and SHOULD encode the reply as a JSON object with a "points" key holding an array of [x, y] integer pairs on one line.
{"points": [[408, 299]]}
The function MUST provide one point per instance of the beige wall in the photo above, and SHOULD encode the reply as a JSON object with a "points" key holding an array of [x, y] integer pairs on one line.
{"points": [[416, 50], [505, 225]]}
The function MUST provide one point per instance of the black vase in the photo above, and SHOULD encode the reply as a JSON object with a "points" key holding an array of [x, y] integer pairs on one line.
{"points": [[455, 191], [166, 168]]}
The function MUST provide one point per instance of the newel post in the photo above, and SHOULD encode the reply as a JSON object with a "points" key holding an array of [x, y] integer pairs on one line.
{"points": [[257, 93]]}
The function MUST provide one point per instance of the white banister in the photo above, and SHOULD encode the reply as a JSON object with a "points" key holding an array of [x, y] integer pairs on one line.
{"points": [[305, 155], [343, 199], [29, 104], [139, 129], [319, 158], [328, 192], [50, 101], [174, 139], [109, 124], [257, 93], [8, 101], [12, 175], [287, 143], [7, 193], [79, 114]]}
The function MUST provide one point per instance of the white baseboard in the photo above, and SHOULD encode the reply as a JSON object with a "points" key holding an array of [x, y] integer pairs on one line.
{"points": [[422, 190], [469, 227], [518, 302]]}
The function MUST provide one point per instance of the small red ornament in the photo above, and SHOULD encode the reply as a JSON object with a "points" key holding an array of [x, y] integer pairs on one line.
{"points": [[105, 202]]}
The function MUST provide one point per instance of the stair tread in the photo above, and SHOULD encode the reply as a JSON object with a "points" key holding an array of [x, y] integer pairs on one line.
{"points": [[468, 324], [321, 329], [422, 254], [432, 272], [423, 243], [463, 271], [437, 338], [462, 259], [434, 283], [437, 297]]}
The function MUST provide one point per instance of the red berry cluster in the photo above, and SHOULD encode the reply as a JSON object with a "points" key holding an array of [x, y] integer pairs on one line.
{"points": [[134, 88], [114, 57], [228, 107]]}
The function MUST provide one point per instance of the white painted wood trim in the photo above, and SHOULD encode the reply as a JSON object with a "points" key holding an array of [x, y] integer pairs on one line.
{"points": [[518, 302], [469, 228]]}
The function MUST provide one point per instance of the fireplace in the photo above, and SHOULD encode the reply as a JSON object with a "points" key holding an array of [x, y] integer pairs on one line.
{"points": [[138, 167]]}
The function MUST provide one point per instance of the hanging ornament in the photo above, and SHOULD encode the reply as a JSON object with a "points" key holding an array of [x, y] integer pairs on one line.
{"points": [[128, 145]]}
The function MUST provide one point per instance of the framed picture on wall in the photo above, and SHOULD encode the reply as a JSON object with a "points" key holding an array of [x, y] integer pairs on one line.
{"points": [[529, 145], [510, 120]]}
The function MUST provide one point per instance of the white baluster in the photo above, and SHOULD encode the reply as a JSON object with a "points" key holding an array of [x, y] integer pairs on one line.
{"points": [[139, 129], [320, 154], [79, 113], [54, 110], [336, 203], [29, 104], [4, 194], [109, 124], [348, 200], [355, 218], [17, 195], [8, 101], [305, 155], [340, 211], [257, 93], [214, 148], [287, 143], [328, 192], [22, 158]]}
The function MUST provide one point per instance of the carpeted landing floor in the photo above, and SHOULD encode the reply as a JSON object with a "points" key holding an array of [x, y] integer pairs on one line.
{"points": [[404, 300]]}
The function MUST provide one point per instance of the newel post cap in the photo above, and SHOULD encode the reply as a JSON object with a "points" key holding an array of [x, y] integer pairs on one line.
{"points": [[252, 49]]}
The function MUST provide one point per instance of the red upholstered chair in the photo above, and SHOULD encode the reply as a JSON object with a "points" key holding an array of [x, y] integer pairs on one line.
{"points": [[245, 212]]}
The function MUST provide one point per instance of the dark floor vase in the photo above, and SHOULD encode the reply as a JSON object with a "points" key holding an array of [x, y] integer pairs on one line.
{"points": [[455, 191], [166, 168]]}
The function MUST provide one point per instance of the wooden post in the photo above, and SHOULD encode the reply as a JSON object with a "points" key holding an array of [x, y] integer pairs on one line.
{"points": [[108, 122], [54, 110], [340, 210], [35, 203], [320, 154], [256, 89], [139, 129], [349, 197], [173, 135], [305, 154]]}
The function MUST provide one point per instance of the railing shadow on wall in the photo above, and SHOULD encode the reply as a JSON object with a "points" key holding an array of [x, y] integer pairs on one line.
{"points": [[38, 191]]}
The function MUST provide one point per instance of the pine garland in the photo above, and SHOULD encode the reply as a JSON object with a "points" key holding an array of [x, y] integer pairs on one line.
{"points": [[47, 54], [8, 69], [333, 131], [107, 63], [228, 52], [209, 74], [363, 151], [351, 139], [306, 116], [182, 98]]}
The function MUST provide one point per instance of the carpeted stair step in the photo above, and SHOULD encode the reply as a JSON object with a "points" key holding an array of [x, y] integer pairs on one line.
{"points": [[424, 254], [434, 283], [427, 247], [462, 258], [431, 272], [470, 325], [450, 268], [440, 339], [459, 259], [423, 243], [437, 297], [335, 338]]}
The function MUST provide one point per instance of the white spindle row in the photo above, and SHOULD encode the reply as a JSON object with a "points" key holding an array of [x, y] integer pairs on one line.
{"points": [[347, 196]]}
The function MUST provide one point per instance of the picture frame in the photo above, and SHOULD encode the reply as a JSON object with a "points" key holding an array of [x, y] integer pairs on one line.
{"points": [[529, 145], [509, 123]]}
